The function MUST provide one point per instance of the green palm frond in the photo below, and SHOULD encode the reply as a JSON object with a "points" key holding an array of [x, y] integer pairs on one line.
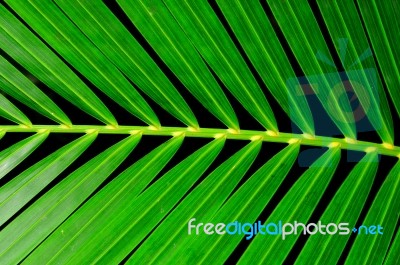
{"points": [[199, 110]]}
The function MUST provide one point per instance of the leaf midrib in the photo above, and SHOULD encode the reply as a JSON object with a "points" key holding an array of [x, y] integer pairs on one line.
{"points": [[266, 136]]}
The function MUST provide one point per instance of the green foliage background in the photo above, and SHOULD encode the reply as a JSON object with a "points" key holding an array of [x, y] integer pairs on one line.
{"points": [[123, 120]]}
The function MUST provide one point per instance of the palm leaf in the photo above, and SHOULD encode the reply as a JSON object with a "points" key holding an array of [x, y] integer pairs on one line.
{"points": [[222, 68], [393, 257], [350, 197], [30, 52]]}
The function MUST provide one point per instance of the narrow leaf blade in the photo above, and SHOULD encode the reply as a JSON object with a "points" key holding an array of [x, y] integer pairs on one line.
{"points": [[201, 203], [257, 36], [371, 249], [361, 72], [306, 191], [393, 256], [22, 188], [31, 227], [111, 37], [9, 111], [346, 206], [244, 205], [109, 202], [57, 30], [202, 26], [298, 24], [382, 25], [15, 154], [16, 85], [114, 239], [29, 51], [163, 33]]}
